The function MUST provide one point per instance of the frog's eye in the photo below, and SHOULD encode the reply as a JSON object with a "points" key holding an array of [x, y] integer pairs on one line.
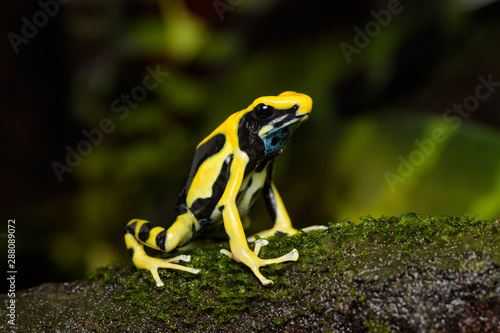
{"points": [[264, 111]]}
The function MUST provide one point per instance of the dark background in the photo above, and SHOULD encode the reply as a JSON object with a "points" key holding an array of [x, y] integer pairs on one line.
{"points": [[368, 111]]}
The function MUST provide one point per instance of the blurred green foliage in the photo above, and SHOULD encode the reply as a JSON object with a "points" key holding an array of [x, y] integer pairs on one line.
{"points": [[366, 113]]}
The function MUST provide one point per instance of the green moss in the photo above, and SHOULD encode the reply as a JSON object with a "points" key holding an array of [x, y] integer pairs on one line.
{"points": [[372, 250], [341, 273], [377, 327]]}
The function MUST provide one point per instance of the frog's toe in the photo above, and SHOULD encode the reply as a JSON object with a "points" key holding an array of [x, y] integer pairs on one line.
{"points": [[292, 255], [314, 228], [156, 276], [265, 281], [183, 257], [227, 253], [152, 264], [258, 244]]}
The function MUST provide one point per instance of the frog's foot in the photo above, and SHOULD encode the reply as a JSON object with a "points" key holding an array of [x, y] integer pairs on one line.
{"points": [[254, 262], [152, 264], [275, 231], [290, 256]]}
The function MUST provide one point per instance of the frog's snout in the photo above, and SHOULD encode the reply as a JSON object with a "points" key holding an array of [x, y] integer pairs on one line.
{"points": [[304, 103]]}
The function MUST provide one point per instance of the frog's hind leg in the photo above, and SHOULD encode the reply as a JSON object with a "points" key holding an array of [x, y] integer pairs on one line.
{"points": [[140, 232]]}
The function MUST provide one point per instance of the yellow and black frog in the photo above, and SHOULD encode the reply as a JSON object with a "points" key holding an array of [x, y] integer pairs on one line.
{"points": [[230, 169]]}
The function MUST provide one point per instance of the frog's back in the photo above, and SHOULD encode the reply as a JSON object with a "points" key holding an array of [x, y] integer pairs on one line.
{"points": [[209, 175]]}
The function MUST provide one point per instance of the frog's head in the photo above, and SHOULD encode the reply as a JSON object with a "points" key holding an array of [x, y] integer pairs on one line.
{"points": [[269, 121]]}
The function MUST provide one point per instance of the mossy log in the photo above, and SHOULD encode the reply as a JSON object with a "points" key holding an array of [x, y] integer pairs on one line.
{"points": [[411, 273]]}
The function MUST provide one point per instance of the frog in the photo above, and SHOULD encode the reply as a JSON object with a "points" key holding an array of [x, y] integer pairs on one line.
{"points": [[231, 168]]}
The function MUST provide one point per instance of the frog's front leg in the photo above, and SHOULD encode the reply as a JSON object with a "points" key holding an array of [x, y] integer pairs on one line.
{"points": [[239, 246], [140, 232], [234, 228], [282, 223]]}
